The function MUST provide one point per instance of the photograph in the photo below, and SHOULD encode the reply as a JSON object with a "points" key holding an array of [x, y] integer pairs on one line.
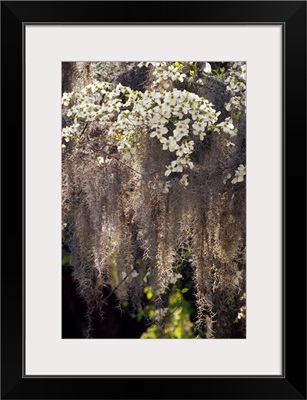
{"points": [[154, 199], [134, 128]]}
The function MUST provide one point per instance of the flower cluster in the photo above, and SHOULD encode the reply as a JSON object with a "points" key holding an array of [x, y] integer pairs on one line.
{"points": [[239, 174], [237, 87], [86, 106], [176, 118], [69, 132], [241, 313], [67, 97], [228, 128], [173, 117], [164, 72]]}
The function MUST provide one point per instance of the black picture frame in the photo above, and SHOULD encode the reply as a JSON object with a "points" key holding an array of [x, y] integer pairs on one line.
{"points": [[292, 16]]}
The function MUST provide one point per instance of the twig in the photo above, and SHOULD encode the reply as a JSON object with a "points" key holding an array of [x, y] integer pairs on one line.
{"points": [[116, 287], [137, 172], [84, 129], [130, 167]]}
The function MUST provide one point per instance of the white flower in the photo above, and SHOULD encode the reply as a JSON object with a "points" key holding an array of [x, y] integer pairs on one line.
{"points": [[66, 98], [199, 126], [170, 99], [228, 127], [175, 277], [159, 132], [194, 113], [179, 134], [233, 104], [170, 168], [184, 124], [91, 116], [127, 150], [134, 274], [207, 68], [182, 129], [180, 164], [181, 77], [185, 107], [73, 110], [175, 166], [165, 187], [67, 133], [157, 121], [189, 146], [156, 96], [243, 74], [182, 149], [184, 180], [239, 174], [229, 143], [169, 144], [186, 161]]}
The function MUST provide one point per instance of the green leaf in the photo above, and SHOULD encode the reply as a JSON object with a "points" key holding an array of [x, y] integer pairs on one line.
{"points": [[184, 290], [65, 260], [148, 292]]}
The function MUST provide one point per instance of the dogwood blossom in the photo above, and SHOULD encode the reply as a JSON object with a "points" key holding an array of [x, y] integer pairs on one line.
{"points": [[184, 180], [67, 98], [169, 114], [127, 150], [227, 126], [239, 174], [169, 143], [234, 104], [174, 277], [236, 86], [171, 168], [159, 132], [207, 68]]}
